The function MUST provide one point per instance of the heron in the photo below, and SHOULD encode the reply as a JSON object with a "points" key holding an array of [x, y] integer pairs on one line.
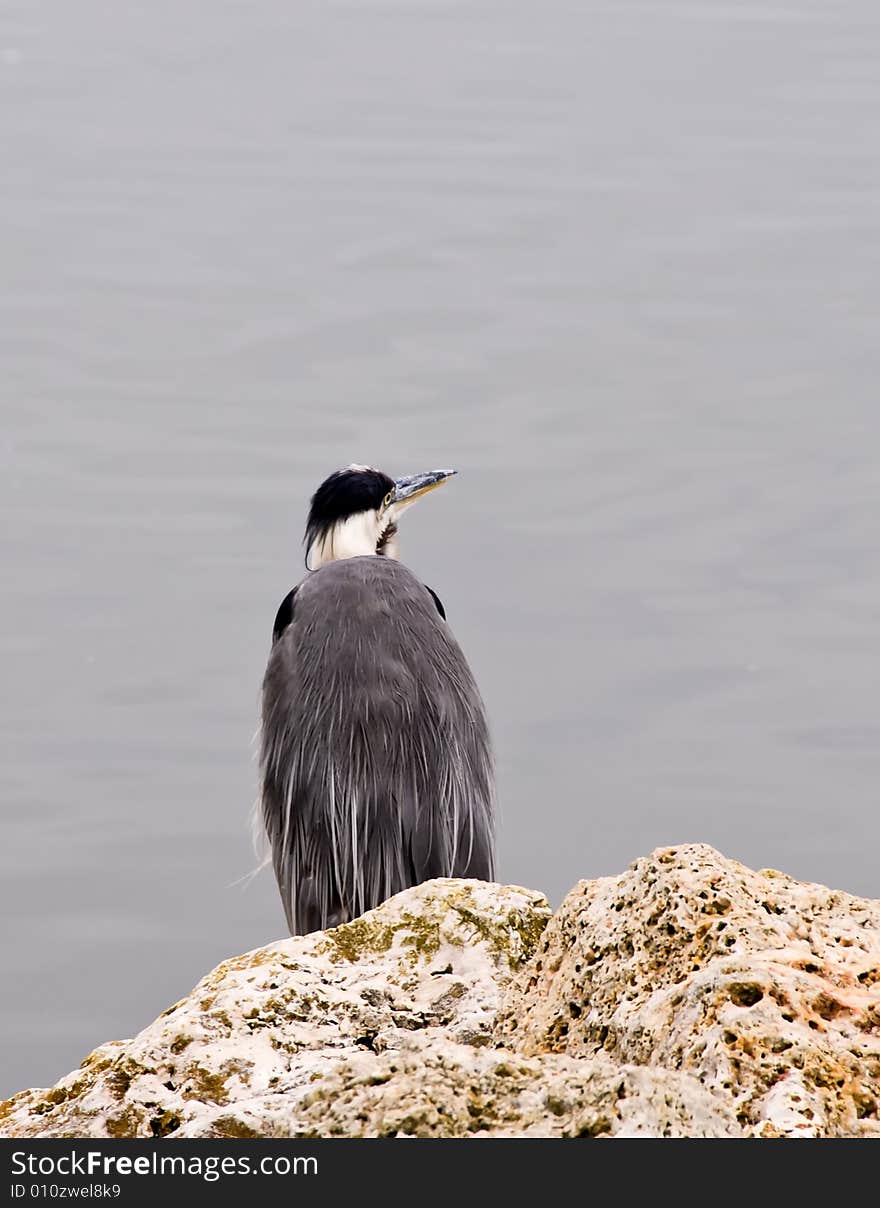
{"points": [[376, 769]]}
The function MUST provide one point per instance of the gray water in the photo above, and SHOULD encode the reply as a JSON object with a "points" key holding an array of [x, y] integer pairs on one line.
{"points": [[617, 262]]}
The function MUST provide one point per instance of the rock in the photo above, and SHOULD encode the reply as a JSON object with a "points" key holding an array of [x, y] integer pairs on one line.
{"points": [[257, 1036], [438, 1089], [765, 989], [687, 997]]}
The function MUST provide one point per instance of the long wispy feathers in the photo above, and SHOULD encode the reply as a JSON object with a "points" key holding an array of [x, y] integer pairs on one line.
{"points": [[375, 764]]}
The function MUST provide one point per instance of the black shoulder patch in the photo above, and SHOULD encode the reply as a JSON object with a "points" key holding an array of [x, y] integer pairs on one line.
{"points": [[283, 616], [438, 602]]}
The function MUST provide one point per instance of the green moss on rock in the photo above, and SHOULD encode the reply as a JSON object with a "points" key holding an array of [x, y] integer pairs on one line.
{"points": [[126, 1123], [230, 1126]]}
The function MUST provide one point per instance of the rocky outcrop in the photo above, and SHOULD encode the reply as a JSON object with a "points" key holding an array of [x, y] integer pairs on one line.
{"points": [[765, 989], [687, 997]]}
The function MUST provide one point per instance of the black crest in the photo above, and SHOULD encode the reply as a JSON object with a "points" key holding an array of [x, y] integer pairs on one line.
{"points": [[344, 494]]}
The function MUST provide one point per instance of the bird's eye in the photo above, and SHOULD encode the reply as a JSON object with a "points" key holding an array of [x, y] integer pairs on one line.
{"points": [[386, 502]]}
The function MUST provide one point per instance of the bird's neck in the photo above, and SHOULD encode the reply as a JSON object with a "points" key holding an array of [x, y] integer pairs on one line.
{"points": [[355, 537]]}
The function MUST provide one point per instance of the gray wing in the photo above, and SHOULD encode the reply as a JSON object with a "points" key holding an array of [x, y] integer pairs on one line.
{"points": [[375, 763]]}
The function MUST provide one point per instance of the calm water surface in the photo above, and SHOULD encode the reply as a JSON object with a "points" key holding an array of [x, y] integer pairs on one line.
{"points": [[618, 262]]}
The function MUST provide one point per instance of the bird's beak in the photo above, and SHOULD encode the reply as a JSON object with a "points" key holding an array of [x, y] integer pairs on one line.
{"points": [[407, 490]]}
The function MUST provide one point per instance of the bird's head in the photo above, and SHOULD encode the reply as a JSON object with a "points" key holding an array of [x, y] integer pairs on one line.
{"points": [[355, 512]]}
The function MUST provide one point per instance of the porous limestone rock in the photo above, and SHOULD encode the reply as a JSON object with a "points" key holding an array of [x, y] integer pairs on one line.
{"points": [[267, 1026], [687, 997], [764, 988], [438, 1089]]}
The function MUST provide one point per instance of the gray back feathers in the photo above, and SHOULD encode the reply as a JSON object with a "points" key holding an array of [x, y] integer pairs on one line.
{"points": [[375, 764]]}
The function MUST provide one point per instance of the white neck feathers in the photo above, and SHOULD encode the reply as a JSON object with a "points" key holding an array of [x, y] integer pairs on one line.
{"points": [[355, 537]]}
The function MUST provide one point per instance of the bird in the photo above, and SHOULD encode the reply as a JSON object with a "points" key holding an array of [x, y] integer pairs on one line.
{"points": [[375, 760]]}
